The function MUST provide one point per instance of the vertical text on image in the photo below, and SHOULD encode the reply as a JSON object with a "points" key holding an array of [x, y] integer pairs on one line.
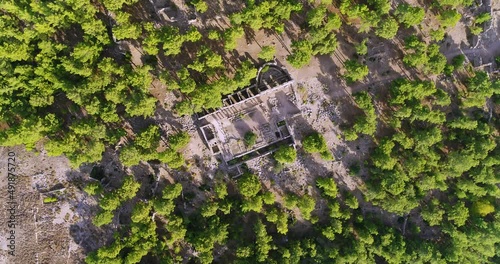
{"points": [[11, 202]]}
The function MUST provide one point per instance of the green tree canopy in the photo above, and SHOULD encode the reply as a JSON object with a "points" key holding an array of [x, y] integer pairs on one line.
{"points": [[409, 15], [449, 18], [267, 53], [315, 143], [355, 71], [285, 154]]}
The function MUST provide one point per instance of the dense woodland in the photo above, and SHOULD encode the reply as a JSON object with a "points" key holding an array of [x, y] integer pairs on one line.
{"points": [[66, 88]]}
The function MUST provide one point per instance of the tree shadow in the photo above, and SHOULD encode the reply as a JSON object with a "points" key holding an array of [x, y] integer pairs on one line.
{"points": [[250, 58], [66, 109], [139, 123], [249, 35], [285, 106], [142, 11], [166, 119], [288, 25], [379, 61], [327, 65], [331, 79], [241, 127]]}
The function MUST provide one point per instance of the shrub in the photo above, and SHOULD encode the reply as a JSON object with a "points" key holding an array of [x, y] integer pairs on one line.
{"points": [[200, 6], [458, 61], [361, 48], [476, 30], [179, 140], [267, 53], [482, 18], [93, 188], [438, 34], [351, 201], [354, 169], [213, 35], [315, 143], [355, 71], [328, 186], [483, 208], [47, 200], [285, 154], [290, 201]]}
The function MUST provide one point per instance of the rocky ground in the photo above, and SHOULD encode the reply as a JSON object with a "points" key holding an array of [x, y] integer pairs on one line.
{"points": [[43, 231]]}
